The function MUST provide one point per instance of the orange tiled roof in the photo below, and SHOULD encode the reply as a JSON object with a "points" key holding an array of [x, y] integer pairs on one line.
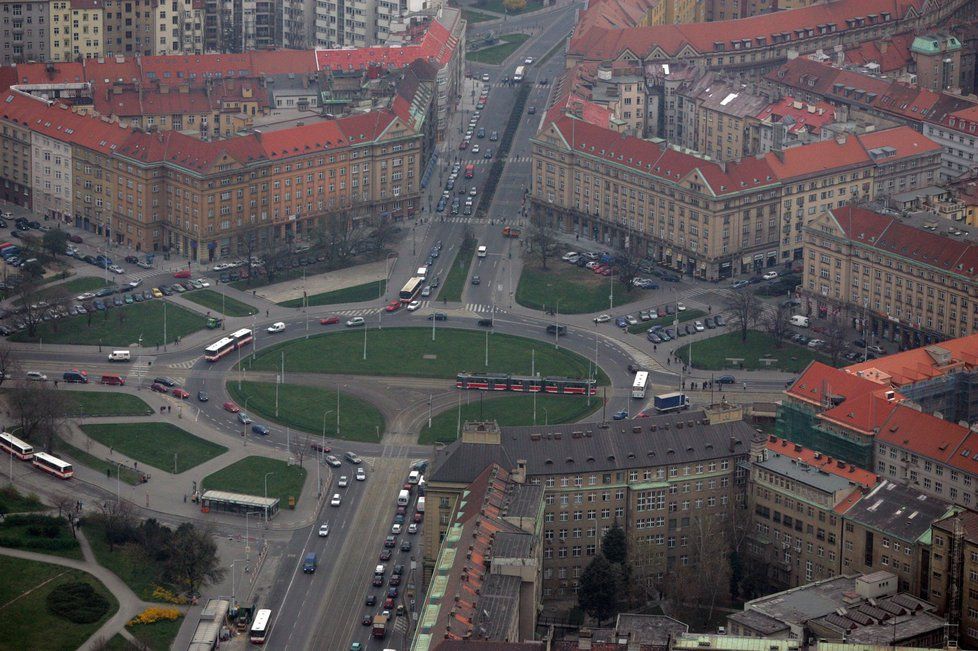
{"points": [[892, 54], [863, 413], [823, 462], [804, 119], [437, 43], [59, 122], [918, 364], [927, 435], [822, 386]]}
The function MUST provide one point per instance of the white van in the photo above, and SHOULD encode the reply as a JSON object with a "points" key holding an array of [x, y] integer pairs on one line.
{"points": [[120, 356], [403, 497], [420, 507], [800, 321], [413, 477], [422, 272], [482, 252]]}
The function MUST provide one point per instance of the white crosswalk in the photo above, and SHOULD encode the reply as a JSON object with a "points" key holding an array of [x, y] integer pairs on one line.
{"points": [[187, 364], [482, 309], [139, 369]]}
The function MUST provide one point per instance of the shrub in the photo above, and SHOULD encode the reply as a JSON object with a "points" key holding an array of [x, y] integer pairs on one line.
{"points": [[162, 594], [155, 614], [77, 602]]}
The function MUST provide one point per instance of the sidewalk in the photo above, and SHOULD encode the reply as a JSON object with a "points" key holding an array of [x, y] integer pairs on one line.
{"points": [[323, 282]]}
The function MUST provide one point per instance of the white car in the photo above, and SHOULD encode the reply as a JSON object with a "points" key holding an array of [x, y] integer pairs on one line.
{"points": [[485, 76], [528, 61], [413, 528], [413, 305], [204, 283], [116, 269], [681, 307], [135, 283], [770, 275], [815, 343], [343, 482], [276, 327], [361, 474], [699, 326], [333, 461], [324, 530], [221, 266], [475, 148], [85, 296], [395, 528], [336, 500], [355, 321], [602, 318]]}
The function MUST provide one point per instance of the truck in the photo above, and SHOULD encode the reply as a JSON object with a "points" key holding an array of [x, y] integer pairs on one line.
{"points": [[379, 627], [510, 232], [675, 401]]}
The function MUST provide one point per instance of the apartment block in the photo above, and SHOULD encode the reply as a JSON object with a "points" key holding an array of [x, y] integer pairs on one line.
{"points": [[25, 30], [954, 574], [661, 481], [15, 163], [956, 134], [798, 498], [889, 530]]}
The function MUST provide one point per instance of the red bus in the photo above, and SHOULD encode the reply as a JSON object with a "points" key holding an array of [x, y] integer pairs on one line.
{"points": [[470, 170], [53, 465], [13, 445], [228, 344], [525, 384]]}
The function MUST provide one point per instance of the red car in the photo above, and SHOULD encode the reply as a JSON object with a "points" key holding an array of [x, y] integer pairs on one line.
{"points": [[418, 517], [464, 144], [607, 271], [330, 320], [393, 306], [75, 238], [180, 393], [319, 447], [159, 388], [183, 273], [230, 406]]}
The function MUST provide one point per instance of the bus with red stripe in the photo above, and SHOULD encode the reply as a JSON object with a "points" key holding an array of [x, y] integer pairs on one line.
{"points": [[13, 445], [229, 344], [52, 464], [525, 384]]}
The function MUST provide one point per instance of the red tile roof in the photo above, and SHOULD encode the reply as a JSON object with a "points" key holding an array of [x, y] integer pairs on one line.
{"points": [[130, 103], [823, 462], [662, 161], [437, 44], [822, 386], [59, 122], [863, 413], [598, 37], [906, 141], [917, 364], [818, 157], [892, 54], [925, 434], [812, 121]]}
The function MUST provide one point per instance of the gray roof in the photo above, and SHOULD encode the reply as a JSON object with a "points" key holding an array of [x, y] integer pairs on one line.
{"points": [[513, 545], [757, 621], [657, 630], [804, 473], [500, 599], [525, 501], [798, 605], [596, 447], [891, 620], [897, 510]]}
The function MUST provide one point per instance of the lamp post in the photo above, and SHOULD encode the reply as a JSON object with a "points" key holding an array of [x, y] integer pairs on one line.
{"points": [[267, 474]]}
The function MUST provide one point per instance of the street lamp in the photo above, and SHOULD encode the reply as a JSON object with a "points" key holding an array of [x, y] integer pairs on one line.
{"points": [[267, 474]]}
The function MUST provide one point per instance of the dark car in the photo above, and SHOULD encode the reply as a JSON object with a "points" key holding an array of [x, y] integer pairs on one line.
{"points": [[165, 381], [390, 541], [392, 593], [378, 580], [259, 429], [719, 320], [131, 259], [371, 600], [438, 316], [532, 110], [395, 580], [158, 387], [485, 323], [726, 379], [385, 555], [406, 546], [368, 620], [558, 330], [620, 415], [202, 396], [476, 280], [859, 343]]}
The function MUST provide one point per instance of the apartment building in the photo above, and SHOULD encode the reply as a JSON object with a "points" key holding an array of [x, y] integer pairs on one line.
{"points": [[956, 134], [661, 481], [889, 530], [15, 162], [25, 31], [724, 113], [77, 30], [914, 285], [954, 573], [798, 498]]}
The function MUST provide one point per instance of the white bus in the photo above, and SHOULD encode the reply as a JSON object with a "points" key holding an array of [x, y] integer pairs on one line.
{"points": [[260, 625], [53, 465], [13, 445], [232, 342], [482, 252], [641, 382], [411, 289], [518, 75]]}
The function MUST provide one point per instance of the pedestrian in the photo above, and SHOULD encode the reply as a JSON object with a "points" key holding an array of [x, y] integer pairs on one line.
{"points": [[169, 408], [745, 386], [668, 362], [111, 451], [108, 472], [55, 384], [184, 498], [266, 312], [654, 348], [710, 308], [135, 465]]}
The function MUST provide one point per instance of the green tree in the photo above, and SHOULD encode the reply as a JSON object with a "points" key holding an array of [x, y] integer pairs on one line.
{"points": [[597, 594], [55, 241], [613, 546], [192, 558]]}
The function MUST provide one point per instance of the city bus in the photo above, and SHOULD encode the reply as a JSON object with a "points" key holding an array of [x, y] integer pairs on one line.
{"points": [[228, 344], [260, 626], [518, 75], [13, 445], [525, 384], [52, 464], [640, 384], [411, 289]]}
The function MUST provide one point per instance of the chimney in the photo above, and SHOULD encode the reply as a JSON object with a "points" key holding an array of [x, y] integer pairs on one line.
{"points": [[518, 475]]}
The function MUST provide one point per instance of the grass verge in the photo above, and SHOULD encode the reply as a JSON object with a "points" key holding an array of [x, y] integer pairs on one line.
{"points": [[302, 407], [572, 289], [128, 562], [106, 403], [213, 301], [664, 321], [72, 288], [500, 8], [13, 501], [119, 326], [496, 54], [356, 294], [411, 352], [472, 17], [157, 636], [716, 353], [454, 284], [155, 444], [27, 623], [80, 457], [507, 411], [248, 476]]}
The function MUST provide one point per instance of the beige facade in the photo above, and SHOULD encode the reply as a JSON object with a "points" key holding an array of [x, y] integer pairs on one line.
{"points": [[50, 175], [94, 182]]}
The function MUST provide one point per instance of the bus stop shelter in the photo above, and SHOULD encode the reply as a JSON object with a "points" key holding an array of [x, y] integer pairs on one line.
{"points": [[239, 503]]}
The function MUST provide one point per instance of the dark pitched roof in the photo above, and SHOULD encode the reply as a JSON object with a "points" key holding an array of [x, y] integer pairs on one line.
{"points": [[897, 510]]}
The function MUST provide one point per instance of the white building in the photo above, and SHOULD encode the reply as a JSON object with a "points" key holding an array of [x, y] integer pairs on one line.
{"points": [[956, 135]]}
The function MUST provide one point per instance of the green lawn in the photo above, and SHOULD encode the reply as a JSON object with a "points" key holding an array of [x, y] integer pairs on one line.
{"points": [[507, 411], [158, 636], [471, 17], [664, 321], [457, 275], [119, 326], [713, 353], [36, 532], [496, 54], [302, 407], [498, 7], [74, 287], [248, 476], [80, 457], [155, 444], [410, 351], [356, 294], [128, 562], [213, 301], [572, 289], [26, 622], [106, 403], [13, 501]]}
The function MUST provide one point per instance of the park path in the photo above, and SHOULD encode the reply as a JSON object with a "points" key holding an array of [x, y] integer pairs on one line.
{"points": [[130, 604]]}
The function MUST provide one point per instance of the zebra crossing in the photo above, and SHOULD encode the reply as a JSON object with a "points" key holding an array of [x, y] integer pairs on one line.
{"points": [[185, 364], [482, 309], [139, 369]]}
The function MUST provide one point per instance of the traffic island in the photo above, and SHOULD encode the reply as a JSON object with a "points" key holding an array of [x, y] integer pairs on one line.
{"points": [[260, 476]]}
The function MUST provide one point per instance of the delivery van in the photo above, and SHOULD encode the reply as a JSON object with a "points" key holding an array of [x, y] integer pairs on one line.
{"points": [[120, 356], [403, 497], [115, 380], [800, 321]]}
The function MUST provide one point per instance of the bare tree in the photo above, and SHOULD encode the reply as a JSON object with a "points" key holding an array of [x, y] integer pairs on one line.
{"points": [[542, 242], [702, 576], [66, 504], [626, 268], [744, 308], [383, 232], [777, 323], [8, 366], [32, 305], [39, 410], [835, 339]]}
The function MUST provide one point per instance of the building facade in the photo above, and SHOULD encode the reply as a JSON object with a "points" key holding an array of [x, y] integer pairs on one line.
{"points": [[25, 30]]}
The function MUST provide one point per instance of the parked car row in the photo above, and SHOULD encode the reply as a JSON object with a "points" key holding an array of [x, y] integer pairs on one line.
{"points": [[658, 334]]}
